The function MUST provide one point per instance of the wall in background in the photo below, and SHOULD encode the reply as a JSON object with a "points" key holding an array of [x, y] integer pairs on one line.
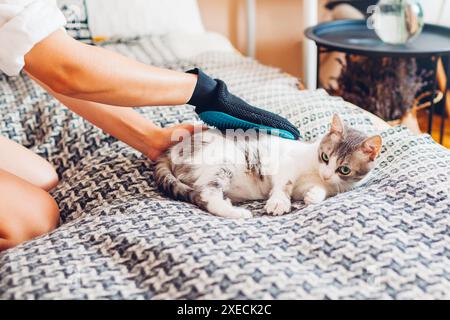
{"points": [[279, 29]]}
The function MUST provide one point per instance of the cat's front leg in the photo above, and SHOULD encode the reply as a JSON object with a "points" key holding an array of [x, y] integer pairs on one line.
{"points": [[279, 201], [315, 194]]}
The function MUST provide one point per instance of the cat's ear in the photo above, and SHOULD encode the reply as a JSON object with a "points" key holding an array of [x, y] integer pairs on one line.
{"points": [[337, 126], [372, 146]]}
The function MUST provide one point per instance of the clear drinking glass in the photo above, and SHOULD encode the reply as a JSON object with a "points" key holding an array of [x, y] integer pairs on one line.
{"points": [[397, 21]]}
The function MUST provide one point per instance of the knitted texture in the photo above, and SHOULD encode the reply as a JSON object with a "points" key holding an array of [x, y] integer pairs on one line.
{"points": [[120, 238]]}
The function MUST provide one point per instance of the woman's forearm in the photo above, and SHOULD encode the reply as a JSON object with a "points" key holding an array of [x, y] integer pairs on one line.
{"points": [[85, 72], [125, 124]]}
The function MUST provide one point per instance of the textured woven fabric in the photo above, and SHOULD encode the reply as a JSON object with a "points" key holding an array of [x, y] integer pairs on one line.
{"points": [[120, 238], [77, 19]]}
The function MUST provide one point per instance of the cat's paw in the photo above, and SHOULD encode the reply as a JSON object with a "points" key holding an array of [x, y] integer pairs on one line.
{"points": [[315, 195], [239, 213], [278, 206]]}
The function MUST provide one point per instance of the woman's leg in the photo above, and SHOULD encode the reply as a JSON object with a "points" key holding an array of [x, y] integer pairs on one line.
{"points": [[23, 163], [26, 209]]}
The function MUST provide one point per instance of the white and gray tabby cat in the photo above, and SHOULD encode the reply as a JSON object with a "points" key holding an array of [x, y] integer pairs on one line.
{"points": [[215, 170]]}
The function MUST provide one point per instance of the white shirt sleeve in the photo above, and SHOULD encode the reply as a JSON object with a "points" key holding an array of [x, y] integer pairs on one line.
{"points": [[24, 23]]}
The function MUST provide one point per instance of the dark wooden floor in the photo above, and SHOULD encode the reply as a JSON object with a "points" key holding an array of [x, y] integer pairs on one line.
{"points": [[423, 122]]}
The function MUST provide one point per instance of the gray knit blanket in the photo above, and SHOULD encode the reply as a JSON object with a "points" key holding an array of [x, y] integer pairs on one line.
{"points": [[119, 238]]}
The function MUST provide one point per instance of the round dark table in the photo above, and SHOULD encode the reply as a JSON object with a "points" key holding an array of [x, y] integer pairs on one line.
{"points": [[354, 37]]}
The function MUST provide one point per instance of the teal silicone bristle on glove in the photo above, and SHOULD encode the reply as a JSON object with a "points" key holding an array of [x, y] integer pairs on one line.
{"points": [[217, 107]]}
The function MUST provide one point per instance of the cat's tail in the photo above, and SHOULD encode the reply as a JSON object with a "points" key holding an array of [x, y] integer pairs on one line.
{"points": [[172, 186]]}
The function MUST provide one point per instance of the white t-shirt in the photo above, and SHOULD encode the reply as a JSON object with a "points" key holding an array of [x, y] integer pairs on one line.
{"points": [[24, 23]]}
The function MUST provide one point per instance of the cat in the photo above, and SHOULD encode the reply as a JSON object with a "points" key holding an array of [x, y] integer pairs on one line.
{"points": [[215, 170]]}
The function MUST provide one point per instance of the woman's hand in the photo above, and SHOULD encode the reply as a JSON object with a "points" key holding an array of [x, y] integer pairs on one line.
{"points": [[161, 139]]}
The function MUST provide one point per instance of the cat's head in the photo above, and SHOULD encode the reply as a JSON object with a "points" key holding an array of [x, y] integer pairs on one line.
{"points": [[346, 155]]}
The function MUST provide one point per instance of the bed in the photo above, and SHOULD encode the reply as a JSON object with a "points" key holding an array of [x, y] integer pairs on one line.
{"points": [[119, 238]]}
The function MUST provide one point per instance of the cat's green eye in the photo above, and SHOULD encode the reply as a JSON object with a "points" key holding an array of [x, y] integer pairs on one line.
{"points": [[325, 157], [344, 170]]}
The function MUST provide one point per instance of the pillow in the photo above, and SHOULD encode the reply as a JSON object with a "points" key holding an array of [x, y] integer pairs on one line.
{"points": [[75, 13], [133, 18]]}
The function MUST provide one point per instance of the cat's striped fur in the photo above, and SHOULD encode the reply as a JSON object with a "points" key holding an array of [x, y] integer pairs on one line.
{"points": [[214, 170]]}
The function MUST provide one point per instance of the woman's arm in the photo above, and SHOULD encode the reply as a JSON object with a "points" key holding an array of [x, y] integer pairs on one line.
{"points": [[82, 72], [86, 72], [126, 124]]}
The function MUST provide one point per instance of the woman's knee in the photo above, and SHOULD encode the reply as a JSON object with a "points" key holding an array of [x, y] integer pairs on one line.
{"points": [[46, 216], [26, 211], [42, 220], [48, 178], [23, 163]]}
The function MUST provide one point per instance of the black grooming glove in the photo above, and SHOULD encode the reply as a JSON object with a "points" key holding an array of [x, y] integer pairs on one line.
{"points": [[213, 95]]}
